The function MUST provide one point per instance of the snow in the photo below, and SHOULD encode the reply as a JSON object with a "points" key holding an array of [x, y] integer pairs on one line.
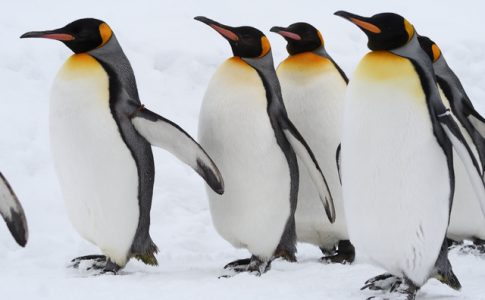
{"points": [[174, 57]]}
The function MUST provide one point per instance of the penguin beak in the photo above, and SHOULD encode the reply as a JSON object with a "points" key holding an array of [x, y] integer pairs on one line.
{"points": [[224, 30], [363, 22], [57, 34], [284, 32]]}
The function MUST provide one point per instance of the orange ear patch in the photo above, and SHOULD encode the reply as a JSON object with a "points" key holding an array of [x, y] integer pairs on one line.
{"points": [[366, 25], [265, 46], [105, 33], [409, 29], [320, 37], [436, 52]]}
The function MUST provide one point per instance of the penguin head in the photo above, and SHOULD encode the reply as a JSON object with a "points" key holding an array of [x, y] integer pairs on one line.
{"points": [[385, 31], [245, 41], [80, 36], [431, 49], [301, 37]]}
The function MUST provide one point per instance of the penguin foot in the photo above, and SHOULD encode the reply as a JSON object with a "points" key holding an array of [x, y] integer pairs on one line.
{"points": [[95, 262], [452, 244], [253, 265], [383, 282], [111, 268], [238, 263], [328, 253], [344, 254], [403, 289], [285, 255], [473, 249]]}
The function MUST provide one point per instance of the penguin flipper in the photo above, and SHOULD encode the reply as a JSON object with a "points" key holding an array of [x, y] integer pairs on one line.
{"points": [[305, 154], [165, 134], [456, 138], [13, 213], [338, 159], [477, 122]]}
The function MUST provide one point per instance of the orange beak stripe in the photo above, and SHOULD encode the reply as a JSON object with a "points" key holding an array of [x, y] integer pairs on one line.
{"points": [[227, 33], [58, 36], [366, 25]]}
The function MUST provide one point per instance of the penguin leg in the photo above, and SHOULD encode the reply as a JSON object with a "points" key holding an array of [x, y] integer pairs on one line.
{"points": [[258, 266], [345, 253], [98, 262], [110, 268], [286, 248]]}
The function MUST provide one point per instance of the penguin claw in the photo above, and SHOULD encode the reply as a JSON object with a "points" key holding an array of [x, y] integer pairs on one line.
{"points": [[98, 261], [90, 263], [381, 282], [400, 289], [339, 258], [238, 263], [473, 249], [253, 266], [343, 254]]}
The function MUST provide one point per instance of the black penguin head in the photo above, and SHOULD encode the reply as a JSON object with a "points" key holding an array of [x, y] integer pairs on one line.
{"points": [[245, 41], [431, 49], [80, 36], [301, 37], [385, 31]]}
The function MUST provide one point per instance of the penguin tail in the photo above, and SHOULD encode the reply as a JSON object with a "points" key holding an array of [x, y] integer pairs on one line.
{"points": [[148, 257], [449, 279]]}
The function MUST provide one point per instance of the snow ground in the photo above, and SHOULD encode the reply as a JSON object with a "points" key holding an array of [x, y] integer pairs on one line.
{"points": [[174, 57]]}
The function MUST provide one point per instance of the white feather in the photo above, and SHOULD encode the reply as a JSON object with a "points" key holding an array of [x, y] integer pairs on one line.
{"points": [[313, 96], [96, 170], [235, 130], [395, 176]]}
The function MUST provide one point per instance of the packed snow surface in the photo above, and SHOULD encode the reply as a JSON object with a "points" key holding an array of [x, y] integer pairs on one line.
{"points": [[173, 57]]}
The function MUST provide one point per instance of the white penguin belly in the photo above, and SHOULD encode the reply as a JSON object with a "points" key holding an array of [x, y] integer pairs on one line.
{"points": [[396, 183], [313, 92], [235, 130], [96, 170], [466, 220]]}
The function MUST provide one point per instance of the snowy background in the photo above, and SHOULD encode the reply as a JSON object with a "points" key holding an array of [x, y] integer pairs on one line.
{"points": [[174, 57]]}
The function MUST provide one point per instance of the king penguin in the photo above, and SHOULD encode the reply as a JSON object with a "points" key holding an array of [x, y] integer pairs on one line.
{"points": [[13, 213], [466, 221], [101, 137], [313, 88], [245, 128], [397, 159]]}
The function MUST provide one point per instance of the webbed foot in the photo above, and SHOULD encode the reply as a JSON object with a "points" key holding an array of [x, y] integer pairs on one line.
{"points": [[253, 265]]}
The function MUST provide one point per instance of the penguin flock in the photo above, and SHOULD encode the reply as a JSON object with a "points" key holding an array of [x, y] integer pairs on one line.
{"points": [[388, 165]]}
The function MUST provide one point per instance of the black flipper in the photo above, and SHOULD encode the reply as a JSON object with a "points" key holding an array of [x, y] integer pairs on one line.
{"points": [[13, 213], [455, 136], [338, 160], [167, 135], [305, 154]]}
